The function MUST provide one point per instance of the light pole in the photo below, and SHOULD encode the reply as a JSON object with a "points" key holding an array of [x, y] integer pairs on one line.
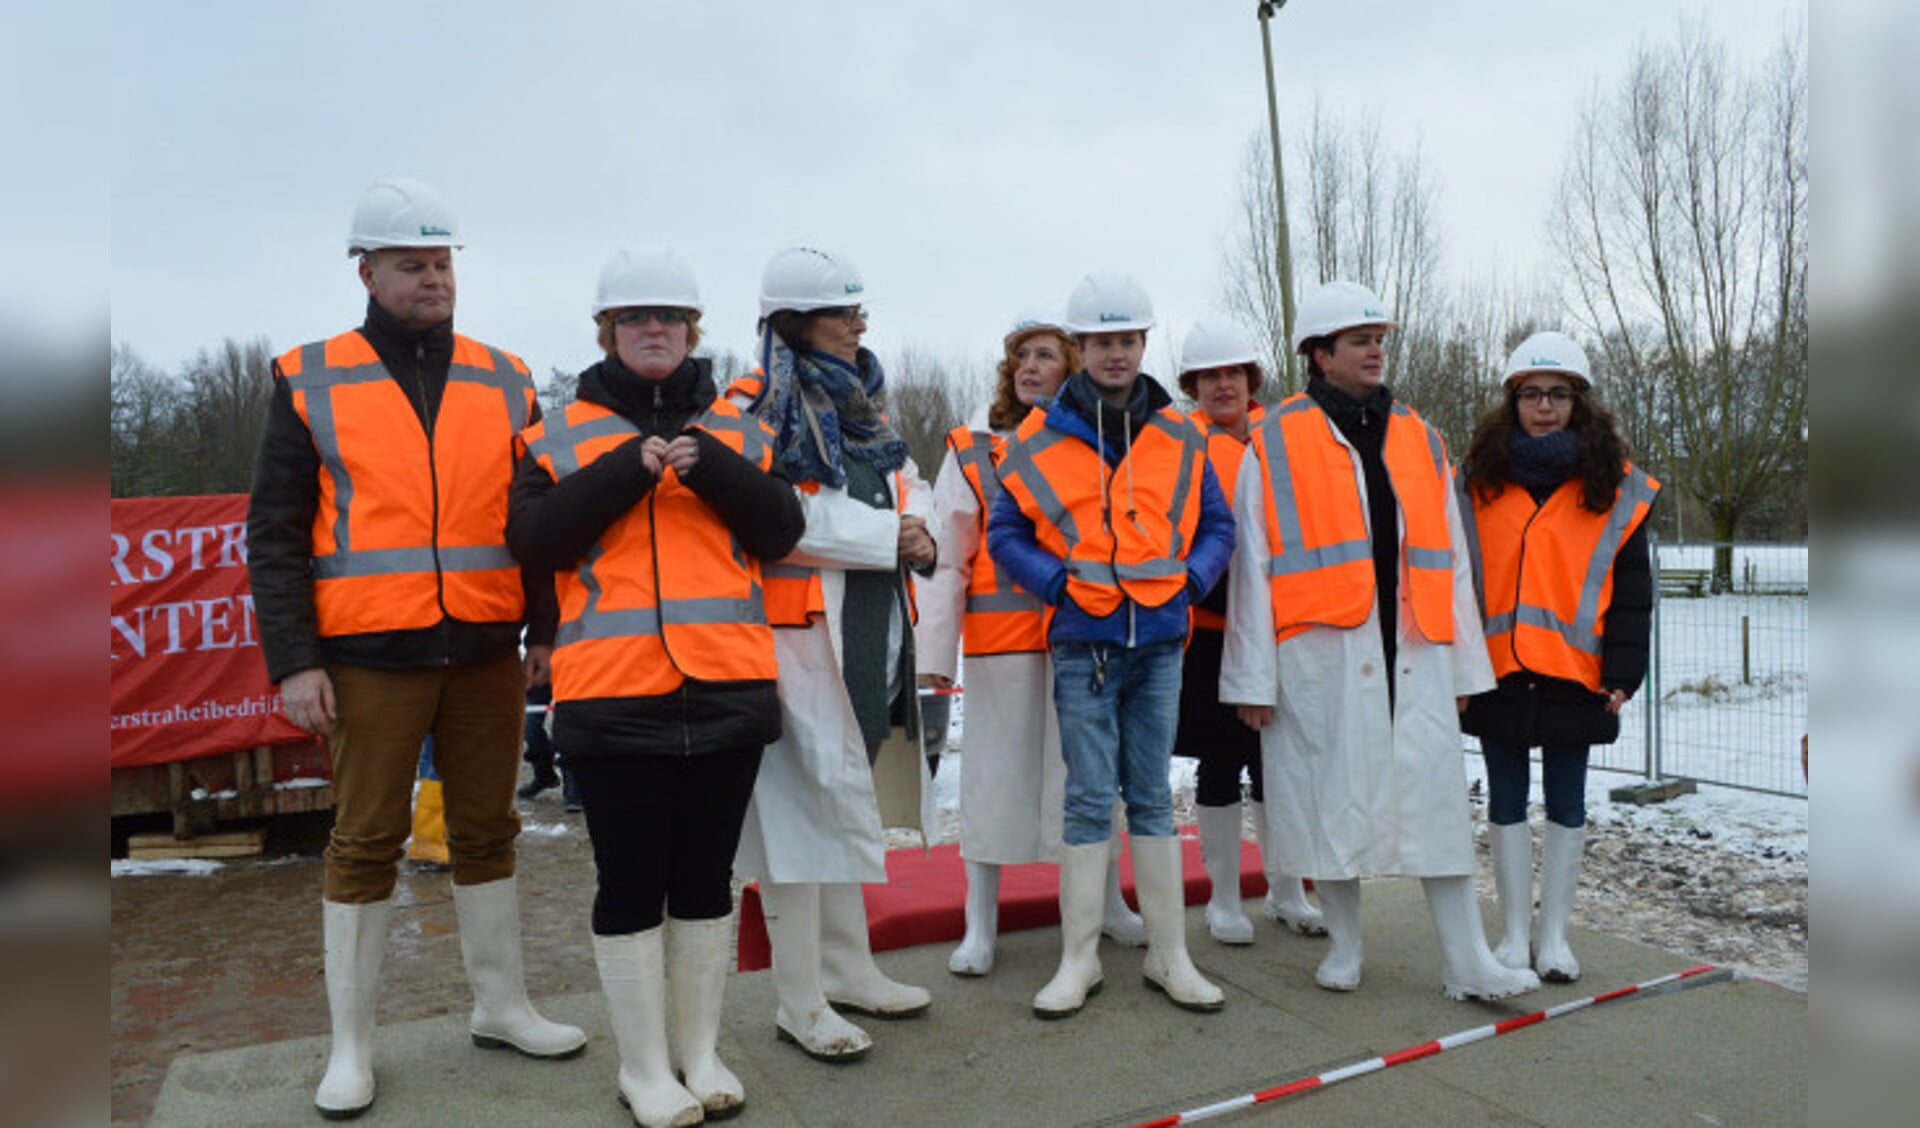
{"points": [[1282, 240]]}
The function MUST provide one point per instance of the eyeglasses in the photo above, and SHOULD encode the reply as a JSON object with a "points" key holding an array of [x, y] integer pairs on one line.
{"points": [[1559, 397], [665, 315], [848, 314]]}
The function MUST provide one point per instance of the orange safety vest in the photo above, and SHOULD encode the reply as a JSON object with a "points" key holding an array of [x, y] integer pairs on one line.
{"points": [[666, 593], [1122, 530], [1224, 452], [1547, 575], [411, 527], [1321, 570], [1001, 617]]}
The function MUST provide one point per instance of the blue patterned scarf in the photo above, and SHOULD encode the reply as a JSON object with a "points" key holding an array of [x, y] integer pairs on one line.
{"points": [[823, 410]]}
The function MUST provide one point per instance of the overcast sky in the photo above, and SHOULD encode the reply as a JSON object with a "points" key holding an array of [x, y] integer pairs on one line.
{"points": [[973, 159]]}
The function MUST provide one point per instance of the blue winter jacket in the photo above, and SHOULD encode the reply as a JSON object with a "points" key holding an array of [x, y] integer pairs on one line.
{"points": [[1013, 545]]}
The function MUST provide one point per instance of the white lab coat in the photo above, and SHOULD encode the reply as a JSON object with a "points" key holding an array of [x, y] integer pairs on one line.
{"points": [[1350, 790], [816, 814], [1013, 780]]}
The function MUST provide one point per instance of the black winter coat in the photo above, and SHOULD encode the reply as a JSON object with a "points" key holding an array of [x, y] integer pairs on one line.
{"points": [[551, 527], [280, 512], [1529, 710]]}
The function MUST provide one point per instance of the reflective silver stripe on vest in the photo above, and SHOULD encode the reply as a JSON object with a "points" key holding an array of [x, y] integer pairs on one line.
{"points": [[1100, 572], [753, 442], [775, 571], [394, 561], [639, 622], [1193, 445], [1436, 446], [1019, 462], [561, 442], [318, 381], [1002, 601], [1582, 634], [1440, 559], [978, 453], [1293, 557]]}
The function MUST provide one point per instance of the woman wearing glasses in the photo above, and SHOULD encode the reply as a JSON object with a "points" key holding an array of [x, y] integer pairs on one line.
{"points": [[841, 607], [1567, 591], [651, 501]]}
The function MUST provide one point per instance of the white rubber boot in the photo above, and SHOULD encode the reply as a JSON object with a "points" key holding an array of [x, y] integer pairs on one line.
{"points": [[803, 1016], [1286, 895], [1158, 879], [697, 955], [489, 916], [1119, 923], [633, 977], [1220, 852], [974, 956], [356, 942], [1082, 880], [1340, 900], [1512, 850], [1468, 968], [848, 975], [1561, 852]]}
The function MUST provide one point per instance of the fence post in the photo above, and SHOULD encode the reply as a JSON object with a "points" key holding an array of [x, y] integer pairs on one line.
{"points": [[1746, 650], [1652, 721]]}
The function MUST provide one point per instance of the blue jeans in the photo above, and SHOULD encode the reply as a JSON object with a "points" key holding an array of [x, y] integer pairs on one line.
{"points": [[1563, 778], [1118, 708]]}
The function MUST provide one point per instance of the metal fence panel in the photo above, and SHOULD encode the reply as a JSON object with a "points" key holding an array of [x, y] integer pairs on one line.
{"points": [[1728, 685]]}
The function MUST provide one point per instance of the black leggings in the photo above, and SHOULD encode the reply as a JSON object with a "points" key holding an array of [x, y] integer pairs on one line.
{"points": [[1211, 732], [664, 830]]}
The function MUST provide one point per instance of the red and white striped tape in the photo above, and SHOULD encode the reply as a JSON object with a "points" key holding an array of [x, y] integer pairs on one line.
{"points": [[1413, 1053]]}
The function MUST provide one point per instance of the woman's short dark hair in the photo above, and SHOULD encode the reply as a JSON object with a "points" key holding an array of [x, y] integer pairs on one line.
{"points": [[1602, 451], [790, 325]]}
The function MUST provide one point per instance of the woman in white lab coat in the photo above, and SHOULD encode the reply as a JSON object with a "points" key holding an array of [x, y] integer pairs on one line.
{"points": [[848, 759]]}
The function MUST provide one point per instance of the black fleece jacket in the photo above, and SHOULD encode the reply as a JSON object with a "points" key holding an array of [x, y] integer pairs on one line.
{"points": [[280, 512], [552, 525]]}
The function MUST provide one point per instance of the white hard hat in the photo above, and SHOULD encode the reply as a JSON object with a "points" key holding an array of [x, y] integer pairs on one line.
{"points": [[1548, 351], [646, 278], [401, 212], [1107, 301], [1335, 307], [1031, 321], [1216, 343], [804, 279]]}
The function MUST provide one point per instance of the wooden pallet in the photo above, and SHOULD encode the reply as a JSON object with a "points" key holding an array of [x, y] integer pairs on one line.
{"points": [[223, 844]]}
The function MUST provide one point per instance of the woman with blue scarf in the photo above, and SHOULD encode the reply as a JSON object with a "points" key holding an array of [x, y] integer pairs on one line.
{"points": [[849, 760], [1567, 590]]}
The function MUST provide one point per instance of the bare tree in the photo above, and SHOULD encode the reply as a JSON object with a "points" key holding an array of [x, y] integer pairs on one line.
{"points": [[926, 399], [143, 430], [1682, 219], [1370, 218], [227, 392]]}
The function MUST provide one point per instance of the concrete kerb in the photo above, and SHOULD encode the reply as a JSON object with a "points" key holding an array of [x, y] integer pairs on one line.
{"points": [[1733, 1053]]}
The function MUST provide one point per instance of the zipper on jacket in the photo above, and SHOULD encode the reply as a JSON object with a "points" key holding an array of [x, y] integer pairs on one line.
{"points": [[660, 605], [433, 483]]}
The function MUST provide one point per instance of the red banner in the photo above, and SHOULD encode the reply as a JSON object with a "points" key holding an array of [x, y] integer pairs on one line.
{"points": [[188, 677]]}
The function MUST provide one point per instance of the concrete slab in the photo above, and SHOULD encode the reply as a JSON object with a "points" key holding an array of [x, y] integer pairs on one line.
{"points": [[1723, 1053]]}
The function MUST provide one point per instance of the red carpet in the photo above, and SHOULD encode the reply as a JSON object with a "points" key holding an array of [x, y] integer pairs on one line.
{"points": [[922, 901]]}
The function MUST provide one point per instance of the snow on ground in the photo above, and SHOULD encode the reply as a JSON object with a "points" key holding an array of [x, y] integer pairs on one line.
{"points": [[191, 867]]}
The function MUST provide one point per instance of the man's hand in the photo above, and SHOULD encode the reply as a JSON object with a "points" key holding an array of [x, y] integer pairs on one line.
{"points": [[683, 453], [1615, 699], [307, 699], [653, 454], [538, 664], [916, 544], [1255, 717]]}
